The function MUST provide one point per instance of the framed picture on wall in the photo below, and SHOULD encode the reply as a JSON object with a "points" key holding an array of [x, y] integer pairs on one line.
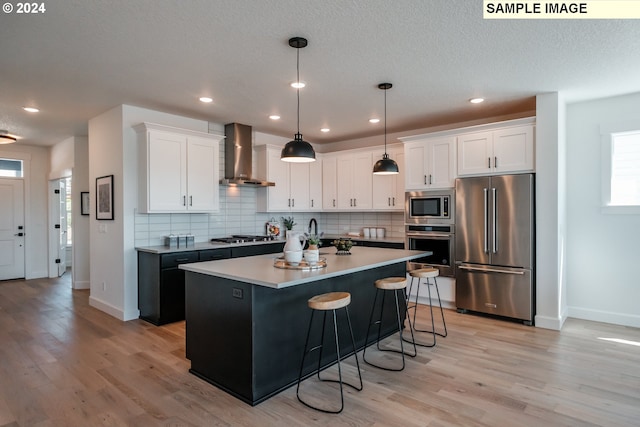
{"points": [[104, 197], [84, 203]]}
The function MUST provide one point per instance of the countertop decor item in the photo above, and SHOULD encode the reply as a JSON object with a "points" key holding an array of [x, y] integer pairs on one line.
{"points": [[298, 150], [302, 265], [273, 228], [343, 246]]}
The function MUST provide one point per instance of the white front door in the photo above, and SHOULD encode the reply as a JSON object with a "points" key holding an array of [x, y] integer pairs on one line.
{"points": [[11, 229]]}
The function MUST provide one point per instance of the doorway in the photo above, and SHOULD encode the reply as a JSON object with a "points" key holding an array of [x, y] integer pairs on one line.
{"points": [[58, 229], [12, 229]]}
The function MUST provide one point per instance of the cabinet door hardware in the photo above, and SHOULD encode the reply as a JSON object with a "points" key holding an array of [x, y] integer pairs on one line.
{"points": [[184, 200], [430, 179], [495, 162], [190, 200]]}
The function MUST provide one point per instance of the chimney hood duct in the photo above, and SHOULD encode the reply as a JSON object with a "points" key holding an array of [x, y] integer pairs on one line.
{"points": [[238, 155]]}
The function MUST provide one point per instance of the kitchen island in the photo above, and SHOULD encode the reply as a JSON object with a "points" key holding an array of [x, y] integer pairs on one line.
{"points": [[247, 320]]}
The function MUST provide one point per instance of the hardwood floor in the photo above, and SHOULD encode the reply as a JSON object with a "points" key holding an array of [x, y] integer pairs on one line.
{"points": [[64, 363]]}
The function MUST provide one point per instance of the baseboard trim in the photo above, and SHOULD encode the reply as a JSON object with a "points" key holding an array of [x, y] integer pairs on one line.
{"points": [[113, 311], [622, 319], [81, 284]]}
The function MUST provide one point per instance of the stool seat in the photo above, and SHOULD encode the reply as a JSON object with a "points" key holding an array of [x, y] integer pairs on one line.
{"points": [[425, 272], [330, 301], [391, 283]]}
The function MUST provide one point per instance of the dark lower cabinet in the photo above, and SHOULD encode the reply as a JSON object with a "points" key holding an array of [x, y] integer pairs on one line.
{"points": [[161, 287]]}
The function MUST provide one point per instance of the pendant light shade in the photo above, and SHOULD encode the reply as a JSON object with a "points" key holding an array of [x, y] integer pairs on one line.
{"points": [[385, 166], [298, 150]]}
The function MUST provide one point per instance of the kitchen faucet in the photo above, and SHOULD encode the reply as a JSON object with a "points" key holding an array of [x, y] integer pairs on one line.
{"points": [[315, 223]]}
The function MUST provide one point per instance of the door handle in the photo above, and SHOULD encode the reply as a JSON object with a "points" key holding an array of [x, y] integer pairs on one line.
{"points": [[495, 220], [190, 200], [486, 223], [19, 234]]}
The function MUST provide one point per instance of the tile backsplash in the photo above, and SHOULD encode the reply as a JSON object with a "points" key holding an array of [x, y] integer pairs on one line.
{"points": [[238, 215]]}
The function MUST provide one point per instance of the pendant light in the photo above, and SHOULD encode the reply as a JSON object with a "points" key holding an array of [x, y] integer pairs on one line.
{"points": [[298, 150], [385, 166]]}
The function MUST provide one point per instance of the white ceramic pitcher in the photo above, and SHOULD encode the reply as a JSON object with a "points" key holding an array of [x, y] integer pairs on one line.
{"points": [[295, 241]]}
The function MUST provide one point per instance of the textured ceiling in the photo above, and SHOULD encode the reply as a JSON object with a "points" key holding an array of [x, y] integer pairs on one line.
{"points": [[83, 57]]}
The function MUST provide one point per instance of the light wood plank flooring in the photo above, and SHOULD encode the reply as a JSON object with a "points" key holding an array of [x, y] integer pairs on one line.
{"points": [[64, 363]]}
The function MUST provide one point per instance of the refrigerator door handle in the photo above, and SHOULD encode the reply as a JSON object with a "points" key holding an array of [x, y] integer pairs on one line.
{"points": [[495, 220], [490, 270], [486, 222]]}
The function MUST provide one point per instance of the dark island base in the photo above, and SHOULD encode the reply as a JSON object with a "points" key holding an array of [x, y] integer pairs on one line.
{"points": [[248, 339]]}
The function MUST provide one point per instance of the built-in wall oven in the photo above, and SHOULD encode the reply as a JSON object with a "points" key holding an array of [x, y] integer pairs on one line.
{"points": [[429, 226]]}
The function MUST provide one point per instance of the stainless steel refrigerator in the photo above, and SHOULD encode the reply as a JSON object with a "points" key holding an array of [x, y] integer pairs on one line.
{"points": [[495, 239]]}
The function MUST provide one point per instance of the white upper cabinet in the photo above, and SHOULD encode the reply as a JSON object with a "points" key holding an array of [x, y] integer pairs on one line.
{"points": [[298, 185], [430, 163], [330, 183], [354, 181], [179, 169], [503, 150], [388, 190]]}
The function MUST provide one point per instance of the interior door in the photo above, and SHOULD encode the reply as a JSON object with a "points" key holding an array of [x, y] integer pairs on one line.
{"points": [[62, 230], [11, 229]]}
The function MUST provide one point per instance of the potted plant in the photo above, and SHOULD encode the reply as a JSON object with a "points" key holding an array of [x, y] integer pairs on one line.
{"points": [[288, 223], [314, 241]]}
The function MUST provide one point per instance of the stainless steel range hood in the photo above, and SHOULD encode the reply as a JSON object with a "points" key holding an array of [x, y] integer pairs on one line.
{"points": [[238, 155]]}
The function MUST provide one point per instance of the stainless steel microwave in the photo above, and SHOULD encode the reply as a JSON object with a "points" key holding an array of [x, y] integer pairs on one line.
{"points": [[429, 207]]}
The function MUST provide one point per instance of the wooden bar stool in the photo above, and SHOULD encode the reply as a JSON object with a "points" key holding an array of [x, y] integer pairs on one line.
{"points": [[395, 284], [427, 274], [329, 302]]}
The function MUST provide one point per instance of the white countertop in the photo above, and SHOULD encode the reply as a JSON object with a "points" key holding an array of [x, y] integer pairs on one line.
{"points": [[259, 270]]}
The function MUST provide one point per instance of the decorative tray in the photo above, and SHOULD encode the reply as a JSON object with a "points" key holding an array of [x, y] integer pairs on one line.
{"points": [[302, 265]]}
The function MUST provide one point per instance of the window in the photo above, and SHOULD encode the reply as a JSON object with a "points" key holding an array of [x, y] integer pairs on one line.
{"points": [[621, 171], [11, 168]]}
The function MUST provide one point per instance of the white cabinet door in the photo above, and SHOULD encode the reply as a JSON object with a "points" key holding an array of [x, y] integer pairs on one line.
{"points": [[178, 169], [475, 152], [329, 183], [344, 182], [430, 163], [416, 165], [202, 178], [498, 151], [315, 185], [298, 186], [441, 163], [277, 171], [388, 190], [513, 149], [166, 180], [362, 177]]}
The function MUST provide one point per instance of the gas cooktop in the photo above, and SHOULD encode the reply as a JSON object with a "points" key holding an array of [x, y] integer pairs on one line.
{"points": [[239, 238]]}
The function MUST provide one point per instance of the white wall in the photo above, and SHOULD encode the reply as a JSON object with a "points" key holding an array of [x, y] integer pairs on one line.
{"points": [[603, 255], [550, 217], [81, 248], [36, 169]]}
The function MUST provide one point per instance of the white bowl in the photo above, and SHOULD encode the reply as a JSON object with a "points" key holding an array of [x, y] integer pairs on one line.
{"points": [[293, 257]]}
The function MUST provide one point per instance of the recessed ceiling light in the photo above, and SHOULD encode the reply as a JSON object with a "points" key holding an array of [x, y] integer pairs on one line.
{"points": [[298, 85], [206, 99], [325, 130], [30, 109], [374, 120], [274, 117], [476, 100]]}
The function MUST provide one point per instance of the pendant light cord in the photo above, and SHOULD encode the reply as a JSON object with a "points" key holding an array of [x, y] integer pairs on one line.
{"points": [[298, 81], [385, 121]]}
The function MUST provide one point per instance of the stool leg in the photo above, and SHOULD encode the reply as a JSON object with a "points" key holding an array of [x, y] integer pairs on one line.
{"points": [[441, 310], [355, 350], [379, 323], [338, 359], [415, 310], [406, 313]]}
